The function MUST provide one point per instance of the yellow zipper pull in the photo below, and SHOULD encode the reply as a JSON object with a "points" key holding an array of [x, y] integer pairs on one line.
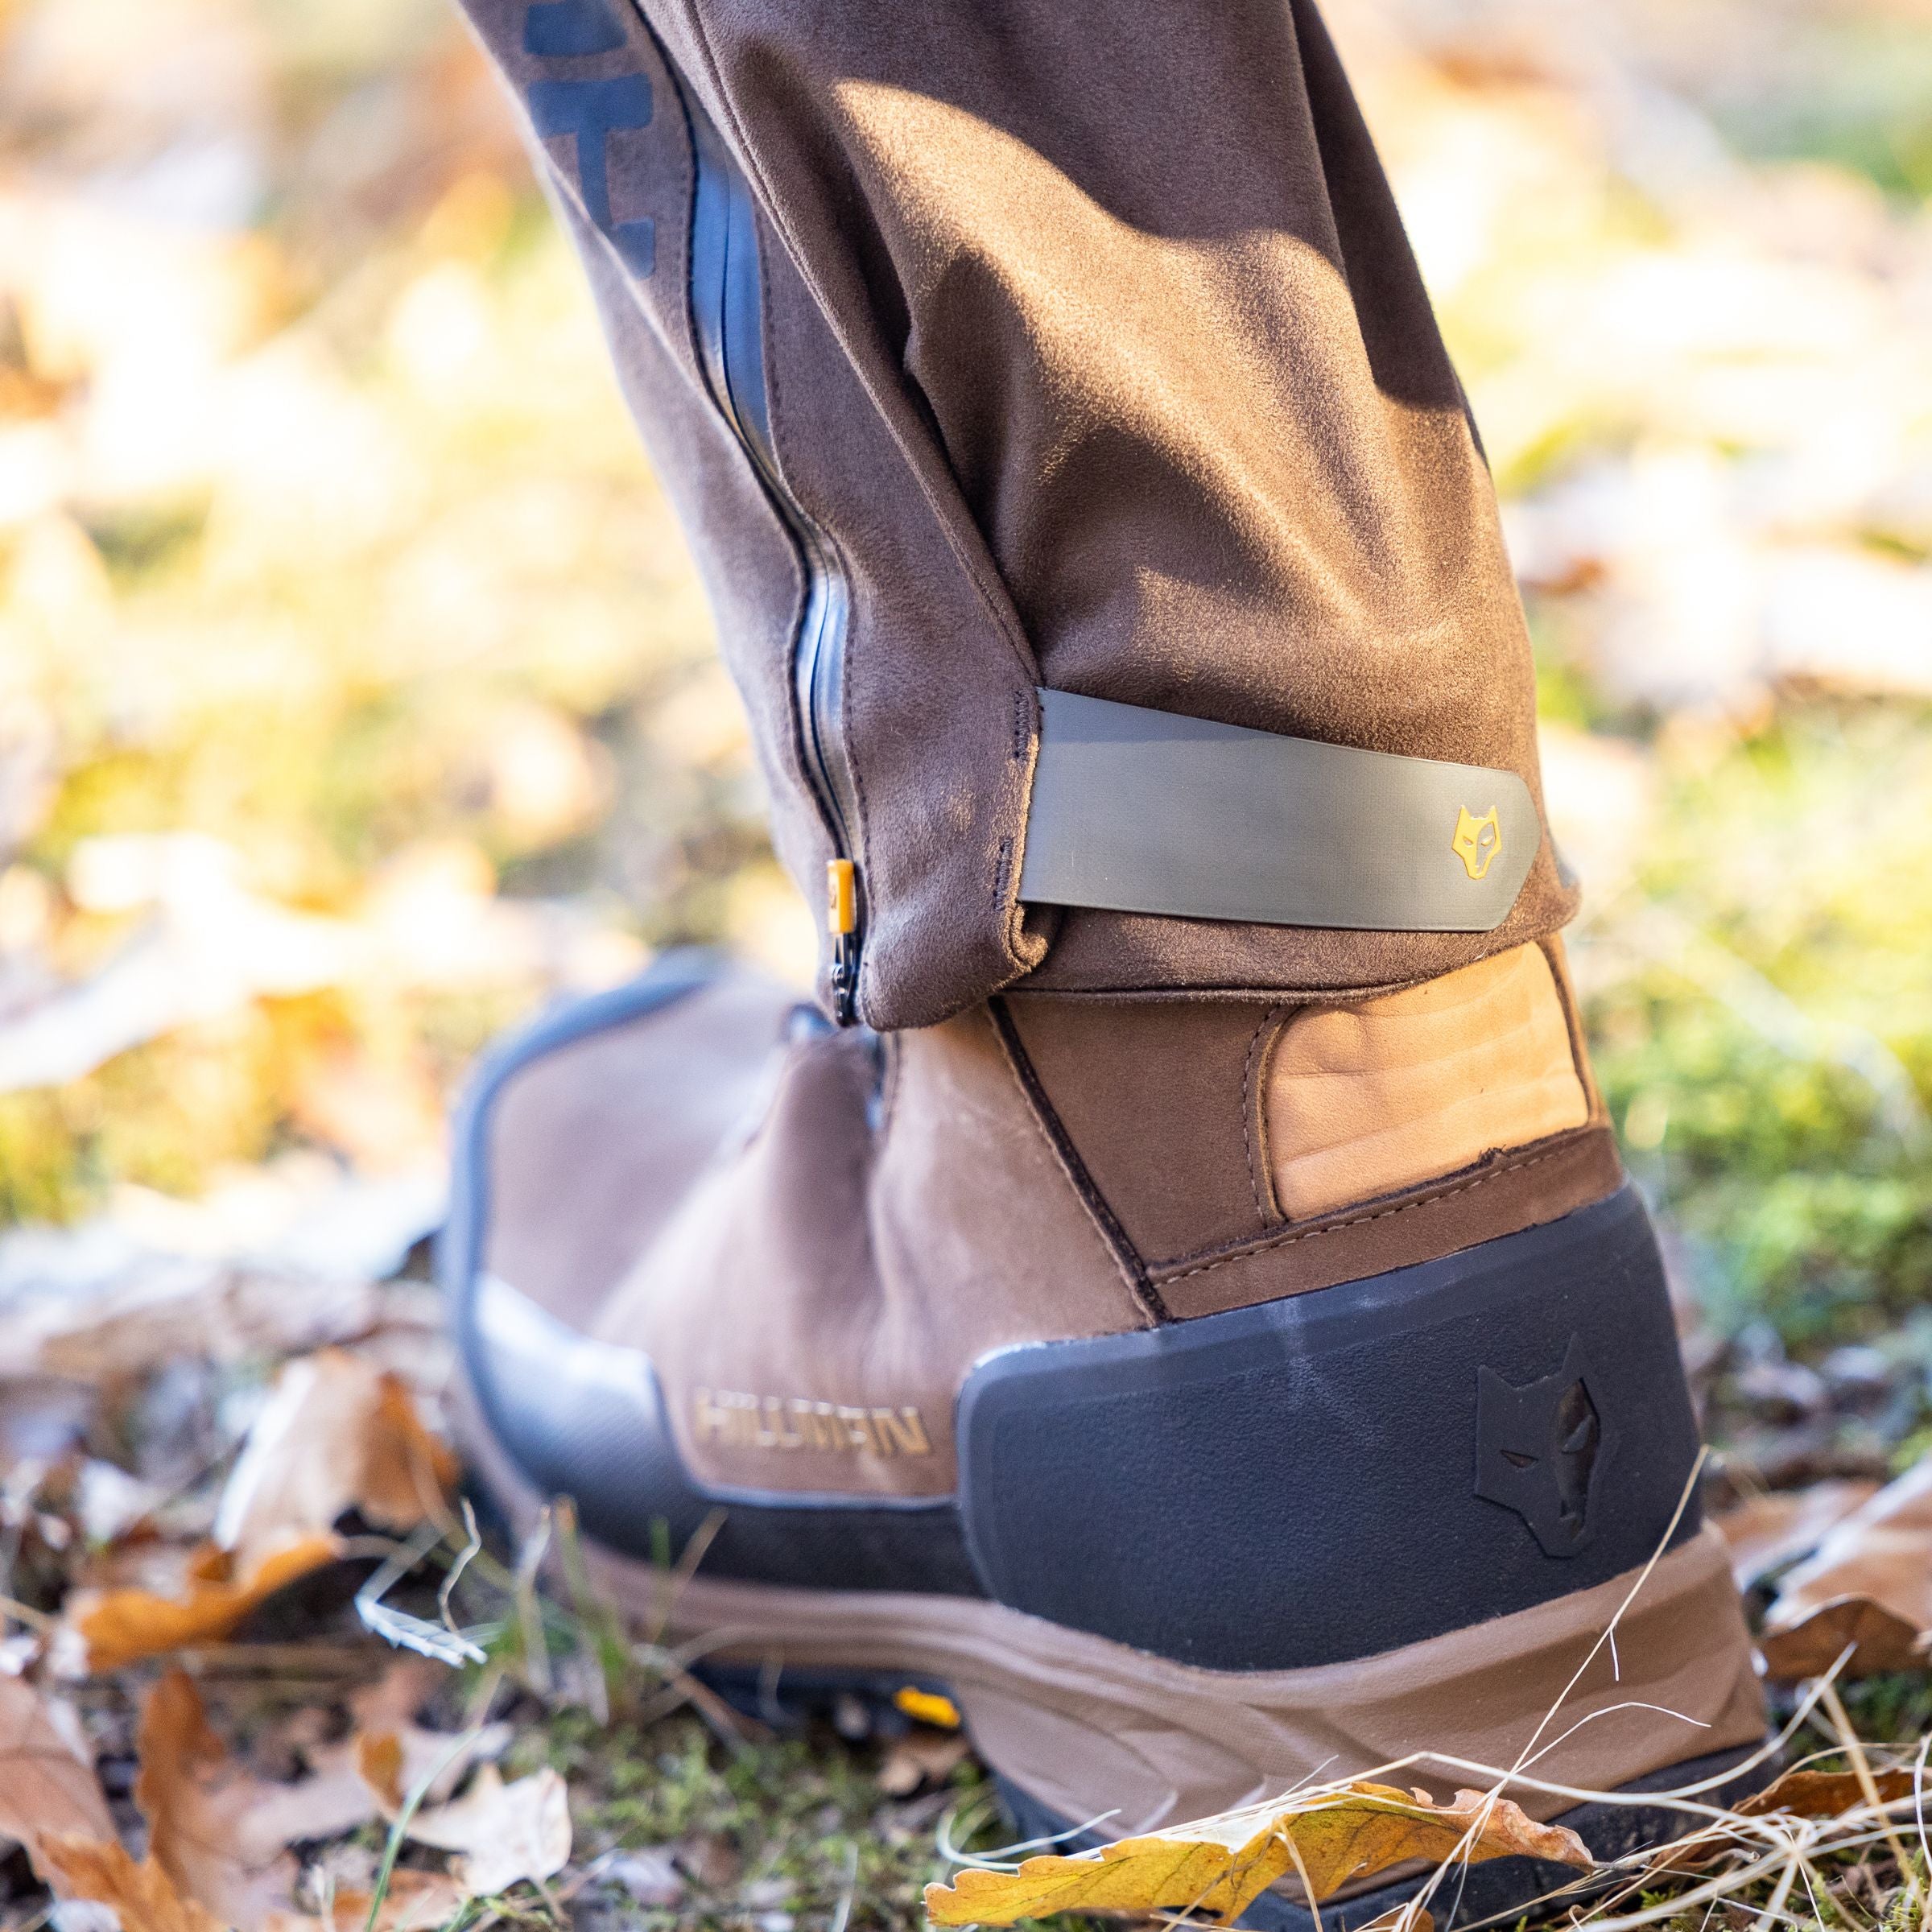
{"points": [[842, 923]]}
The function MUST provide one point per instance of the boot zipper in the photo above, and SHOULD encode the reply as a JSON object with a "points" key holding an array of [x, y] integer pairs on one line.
{"points": [[727, 310]]}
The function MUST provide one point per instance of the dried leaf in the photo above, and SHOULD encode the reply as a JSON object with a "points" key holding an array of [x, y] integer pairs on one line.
{"points": [[337, 1434], [920, 1757], [504, 1833], [379, 1764], [1222, 1864], [415, 1901], [45, 1789], [1878, 1639], [144, 1897], [1764, 1533], [1870, 1585], [408, 1473], [391, 1754], [202, 1830], [1826, 1794], [120, 1627], [1796, 1794]]}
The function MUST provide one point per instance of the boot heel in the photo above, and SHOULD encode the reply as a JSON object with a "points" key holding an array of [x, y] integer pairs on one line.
{"points": [[1339, 1473]]}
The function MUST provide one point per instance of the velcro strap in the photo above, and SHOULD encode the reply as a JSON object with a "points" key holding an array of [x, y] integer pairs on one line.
{"points": [[1139, 811]]}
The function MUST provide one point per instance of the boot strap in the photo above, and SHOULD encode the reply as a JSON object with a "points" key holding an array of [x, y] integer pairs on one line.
{"points": [[1141, 811]]}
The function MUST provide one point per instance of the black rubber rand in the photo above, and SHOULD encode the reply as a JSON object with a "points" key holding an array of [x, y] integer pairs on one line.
{"points": [[1345, 1471]]}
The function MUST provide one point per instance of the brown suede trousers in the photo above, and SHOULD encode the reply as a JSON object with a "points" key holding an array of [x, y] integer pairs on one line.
{"points": [[1092, 343]]}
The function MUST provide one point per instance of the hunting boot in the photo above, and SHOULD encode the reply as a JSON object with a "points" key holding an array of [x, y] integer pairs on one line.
{"points": [[1197, 1399], [1170, 1302]]}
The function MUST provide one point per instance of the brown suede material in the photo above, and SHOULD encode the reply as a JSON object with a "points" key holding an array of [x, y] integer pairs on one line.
{"points": [[938, 729], [825, 1262], [617, 1126], [751, 576], [1160, 1101], [1094, 344], [1500, 1194], [814, 1241]]}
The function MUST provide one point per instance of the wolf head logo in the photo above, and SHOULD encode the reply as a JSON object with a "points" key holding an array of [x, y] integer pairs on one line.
{"points": [[1477, 841], [1541, 1451]]}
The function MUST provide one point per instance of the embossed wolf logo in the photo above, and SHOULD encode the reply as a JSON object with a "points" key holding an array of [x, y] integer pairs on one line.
{"points": [[1541, 1451]]}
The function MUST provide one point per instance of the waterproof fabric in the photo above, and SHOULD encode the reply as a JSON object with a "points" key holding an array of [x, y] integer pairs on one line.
{"points": [[1091, 355]]}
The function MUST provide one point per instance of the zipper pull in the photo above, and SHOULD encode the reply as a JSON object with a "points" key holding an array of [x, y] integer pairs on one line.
{"points": [[842, 923]]}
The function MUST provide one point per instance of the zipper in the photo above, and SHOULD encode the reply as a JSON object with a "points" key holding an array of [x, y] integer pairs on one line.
{"points": [[727, 305]]}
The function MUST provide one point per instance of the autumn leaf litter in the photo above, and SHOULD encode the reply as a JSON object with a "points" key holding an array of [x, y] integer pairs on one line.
{"points": [[290, 1682]]}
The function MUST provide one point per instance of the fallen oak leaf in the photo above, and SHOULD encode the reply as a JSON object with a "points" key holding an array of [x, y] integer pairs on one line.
{"points": [[199, 1807], [116, 1627], [1222, 1864], [45, 1789], [1764, 1533], [414, 1901], [1869, 1586], [1800, 1794], [503, 1833], [390, 1704], [144, 1898], [389, 1754], [1826, 1794], [1878, 1638], [408, 1473], [336, 1434], [220, 1833]]}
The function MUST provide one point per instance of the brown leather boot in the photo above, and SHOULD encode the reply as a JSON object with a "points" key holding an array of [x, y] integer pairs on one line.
{"points": [[1201, 1396]]}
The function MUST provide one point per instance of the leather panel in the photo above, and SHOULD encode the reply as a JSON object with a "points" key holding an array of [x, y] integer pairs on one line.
{"points": [[1497, 1196], [1360, 1101], [826, 1261], [1155, 1096]]}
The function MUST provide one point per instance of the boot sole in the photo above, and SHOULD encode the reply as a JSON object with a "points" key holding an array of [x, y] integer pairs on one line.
{"points": [[1080, 1729]]}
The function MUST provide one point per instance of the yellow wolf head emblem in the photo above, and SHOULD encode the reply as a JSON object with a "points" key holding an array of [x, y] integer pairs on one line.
{"points": [[1477, 841]]}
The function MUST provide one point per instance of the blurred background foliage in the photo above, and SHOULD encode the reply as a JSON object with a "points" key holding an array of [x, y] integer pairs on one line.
{"points": [[356, 693]]}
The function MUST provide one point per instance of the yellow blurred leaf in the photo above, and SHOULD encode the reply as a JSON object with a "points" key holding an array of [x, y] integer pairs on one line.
{"points": [[45, 1789], [120, 1627], [1222, 1864]]}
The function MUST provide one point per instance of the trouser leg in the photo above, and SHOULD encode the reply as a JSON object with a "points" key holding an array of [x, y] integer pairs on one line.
{"points": [[988, 348]]}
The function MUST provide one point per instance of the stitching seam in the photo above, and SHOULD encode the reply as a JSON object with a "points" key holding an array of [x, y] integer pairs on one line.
{"points": [[1250, 1107], [1360, 1220]]}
